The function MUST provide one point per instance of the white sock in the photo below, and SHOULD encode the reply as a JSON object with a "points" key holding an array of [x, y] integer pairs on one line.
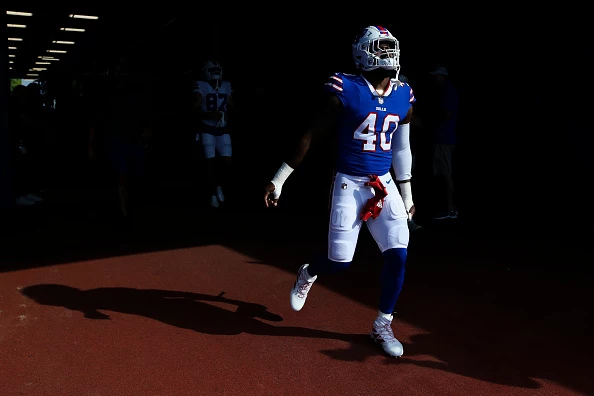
{"points": [[380, 314]]}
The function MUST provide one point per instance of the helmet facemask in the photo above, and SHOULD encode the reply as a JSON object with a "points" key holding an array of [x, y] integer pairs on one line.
{"points": [[213, 72]]}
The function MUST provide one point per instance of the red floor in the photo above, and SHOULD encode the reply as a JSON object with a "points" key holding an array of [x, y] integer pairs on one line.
{"points": [[215, 320]]}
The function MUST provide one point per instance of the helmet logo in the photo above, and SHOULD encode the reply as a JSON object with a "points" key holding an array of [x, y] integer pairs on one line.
{"points": [[364, 33]]}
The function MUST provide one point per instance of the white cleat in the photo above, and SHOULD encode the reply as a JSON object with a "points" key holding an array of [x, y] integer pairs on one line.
{"points": [[382, 334], [301, 288], [24, 201]]}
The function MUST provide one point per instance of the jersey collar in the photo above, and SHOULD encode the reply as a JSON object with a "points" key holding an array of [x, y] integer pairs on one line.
{"points": [[387, 92]]}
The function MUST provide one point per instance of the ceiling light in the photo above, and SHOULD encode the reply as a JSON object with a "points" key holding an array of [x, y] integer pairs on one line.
{"points": [[72, 29], [32, 75], [15, 39], [12, 48], [83, 16], [50, 58], [43, 63], [57, 51], [15, 25], [10, 62], [39, 68], [63, 42], [11, 55], [19, 13]]}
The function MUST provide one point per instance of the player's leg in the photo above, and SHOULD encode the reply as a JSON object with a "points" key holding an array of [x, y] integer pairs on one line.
{"points": [[225, 151], [209, 146], [343, 233], [391, 233]]}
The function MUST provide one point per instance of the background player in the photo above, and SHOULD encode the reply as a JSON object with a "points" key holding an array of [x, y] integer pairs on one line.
{"points": [[212, 104]]}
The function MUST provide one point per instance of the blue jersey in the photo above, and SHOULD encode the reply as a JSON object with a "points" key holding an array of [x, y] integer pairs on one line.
{"points": [[367, 123]]}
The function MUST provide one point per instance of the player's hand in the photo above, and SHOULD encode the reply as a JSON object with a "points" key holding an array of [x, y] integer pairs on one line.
{"points": [[268, 196]]}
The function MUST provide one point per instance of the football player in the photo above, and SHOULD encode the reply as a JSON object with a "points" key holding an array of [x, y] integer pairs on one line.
{"points": [[370, 113], [212, 103]]}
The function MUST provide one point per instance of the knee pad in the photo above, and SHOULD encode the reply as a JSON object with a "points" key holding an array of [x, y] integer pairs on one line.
{"points": [[398, 234], [340, 250]]}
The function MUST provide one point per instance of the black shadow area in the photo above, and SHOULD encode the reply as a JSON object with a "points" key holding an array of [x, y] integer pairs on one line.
{"points": [[188, 311]]}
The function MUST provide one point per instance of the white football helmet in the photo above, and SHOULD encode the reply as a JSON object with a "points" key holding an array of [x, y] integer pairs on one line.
{"points": [[376, 48], [212, 70]]}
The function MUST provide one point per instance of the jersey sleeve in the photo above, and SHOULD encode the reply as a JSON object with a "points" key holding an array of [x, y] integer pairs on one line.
{"points": [[197, 88], [406, 87], [412, 98], [335, 85]]}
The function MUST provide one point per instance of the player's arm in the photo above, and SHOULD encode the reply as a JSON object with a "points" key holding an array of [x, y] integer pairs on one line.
{"points": [[402, 161], [196, 104], [230, 107], [230, 104], [323, 122]]}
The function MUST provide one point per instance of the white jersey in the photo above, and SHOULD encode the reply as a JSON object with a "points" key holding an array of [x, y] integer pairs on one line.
{"points": [[214, 99]]}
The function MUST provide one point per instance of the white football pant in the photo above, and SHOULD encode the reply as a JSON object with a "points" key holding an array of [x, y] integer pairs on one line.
{"points": [[216, 144], [349, 195]]}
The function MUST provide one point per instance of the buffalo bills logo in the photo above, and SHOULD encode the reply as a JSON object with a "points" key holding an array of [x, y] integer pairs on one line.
{"points": [[364, 33]]}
